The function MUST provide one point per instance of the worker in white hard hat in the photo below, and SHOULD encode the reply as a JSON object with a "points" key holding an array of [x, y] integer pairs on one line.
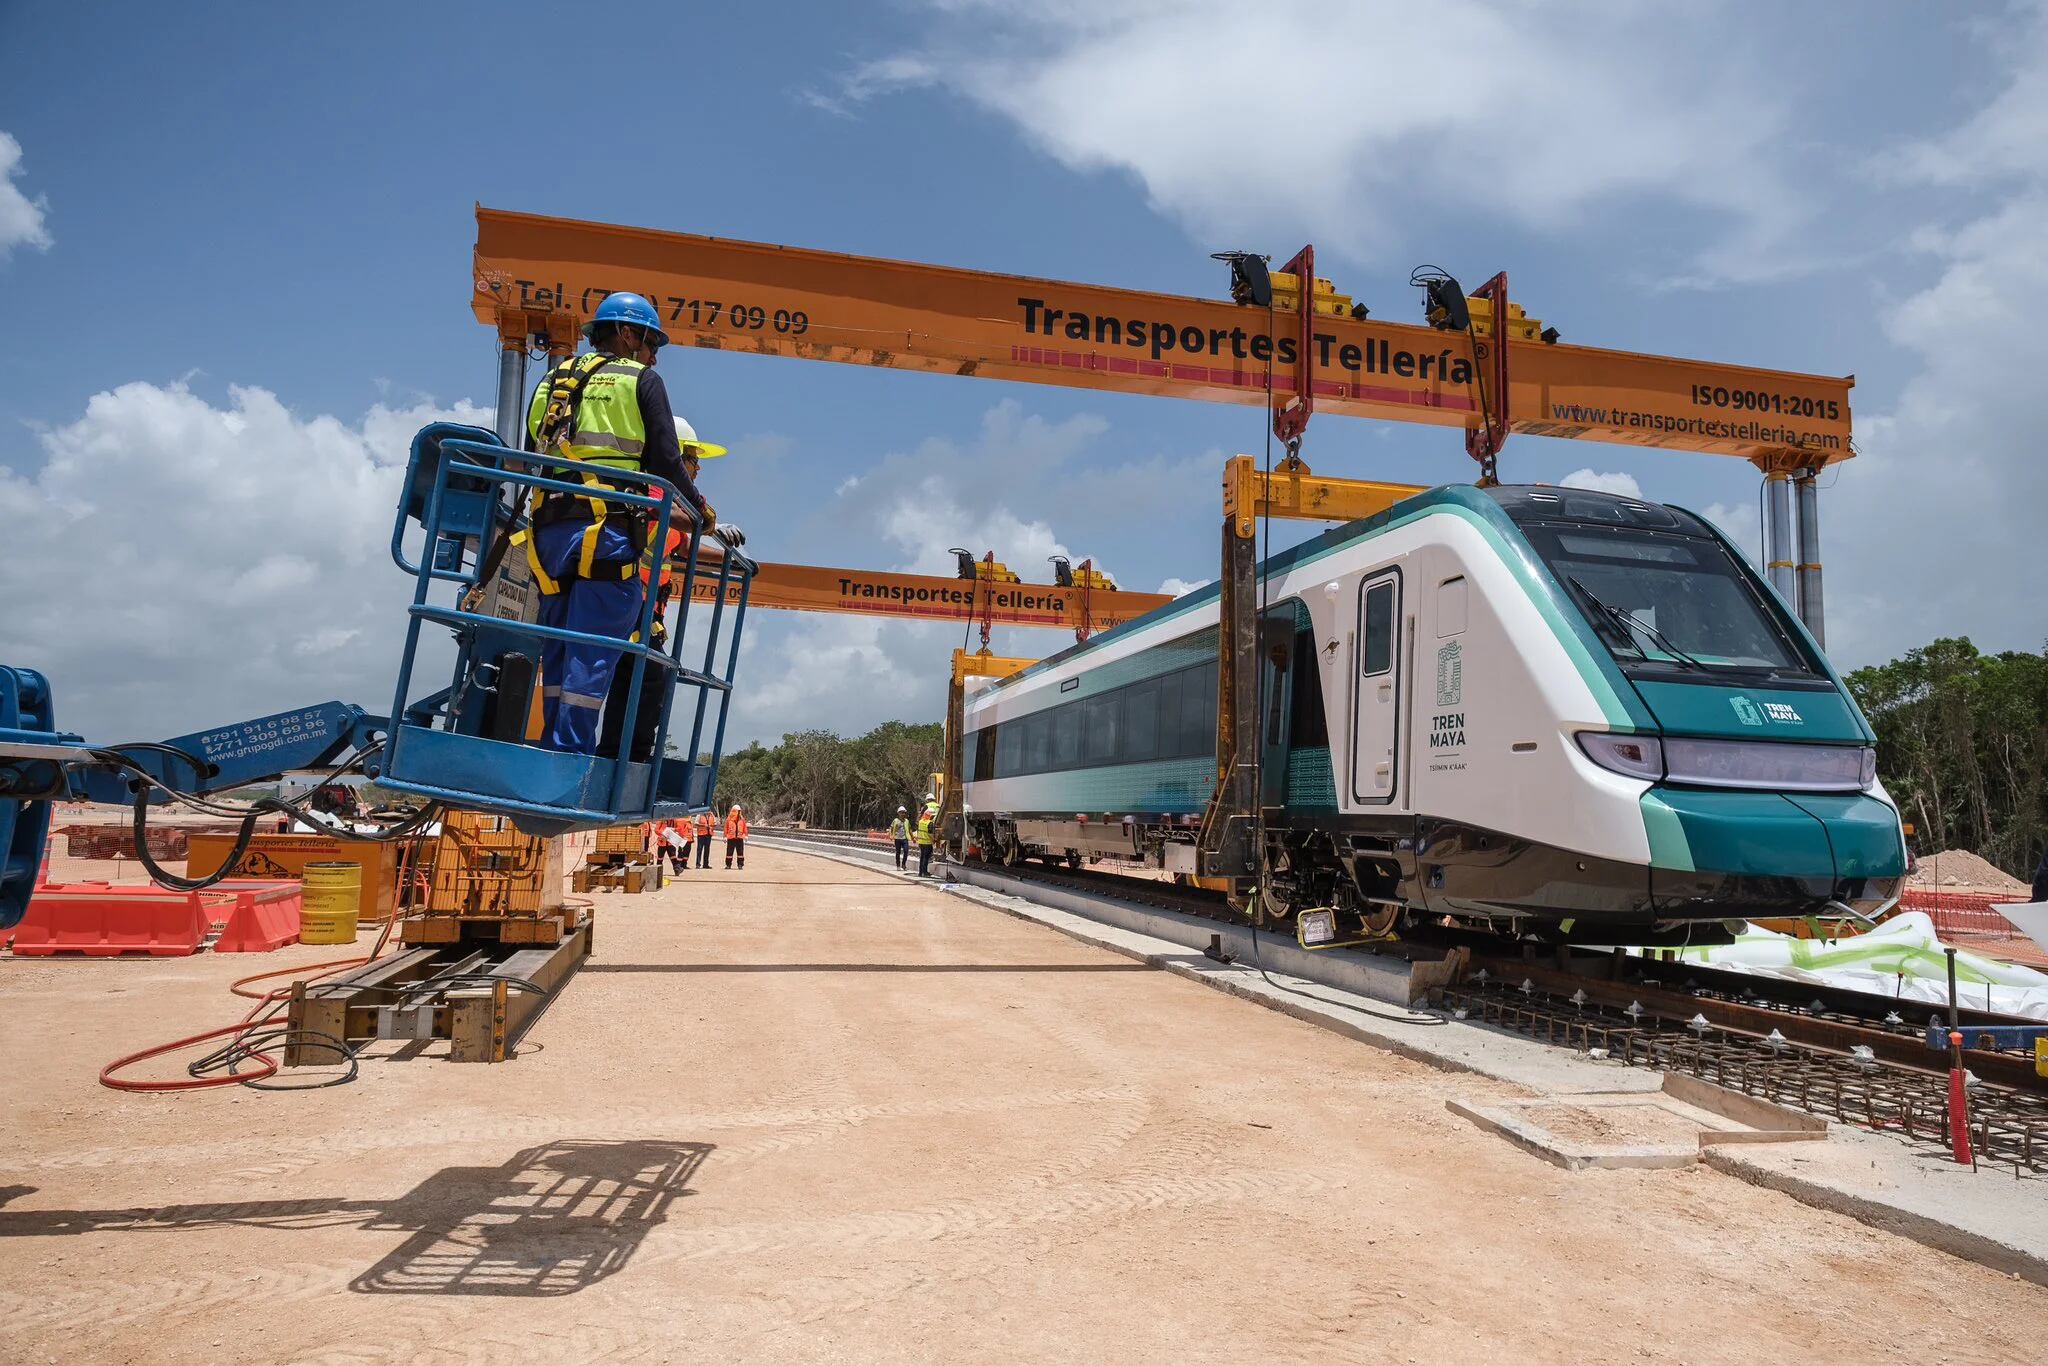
{"points": [[924, 839], [735, 838], [899, 831], [695, 453]]}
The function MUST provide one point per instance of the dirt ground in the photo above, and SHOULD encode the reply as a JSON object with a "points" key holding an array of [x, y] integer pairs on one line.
{"points": [[807, 1112]]}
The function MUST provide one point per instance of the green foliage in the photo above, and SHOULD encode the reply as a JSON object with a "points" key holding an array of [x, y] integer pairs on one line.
{"points": [[821, 780], [1962, 746]]}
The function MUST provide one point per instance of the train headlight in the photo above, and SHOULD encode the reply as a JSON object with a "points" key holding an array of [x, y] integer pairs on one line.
{"points": [[1749, 763], [1734, 763], [1636, 756]]}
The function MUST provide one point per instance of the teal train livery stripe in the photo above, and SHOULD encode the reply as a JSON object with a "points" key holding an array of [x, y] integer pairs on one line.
{"points": [[1737, 713], [1863, 831], [1311, 782], [1668, 845], [1744, 832], [1618, 702]]}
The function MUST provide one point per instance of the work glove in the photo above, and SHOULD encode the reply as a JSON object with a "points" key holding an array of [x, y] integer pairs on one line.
{"points": [[733, 537]]}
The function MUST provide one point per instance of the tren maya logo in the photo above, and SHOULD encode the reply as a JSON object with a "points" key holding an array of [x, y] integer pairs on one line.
{"points": [[1450, 668]]}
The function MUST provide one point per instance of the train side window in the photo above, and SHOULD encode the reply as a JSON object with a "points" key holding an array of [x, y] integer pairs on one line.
{"points": [[985, 753], [1066, 735], [1378, 655], [1172, 742], [1009, 746], [1100, 743], [1037, 743], [1198, 710], [1141, 722], [1450, 607]]}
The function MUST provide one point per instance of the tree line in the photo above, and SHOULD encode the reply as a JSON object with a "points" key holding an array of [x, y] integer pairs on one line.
{"points": [[819, 779], [1962, 746]]}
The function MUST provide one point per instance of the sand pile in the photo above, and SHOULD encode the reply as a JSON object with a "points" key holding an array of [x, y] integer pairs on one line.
{"points": [[1963, 871]]}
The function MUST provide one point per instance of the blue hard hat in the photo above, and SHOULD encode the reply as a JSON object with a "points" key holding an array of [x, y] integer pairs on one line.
{"points": [[625, 307]]}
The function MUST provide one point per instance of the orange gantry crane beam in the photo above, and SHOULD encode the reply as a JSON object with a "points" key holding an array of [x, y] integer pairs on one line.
{"points": [[539, 277], [933, 597]]}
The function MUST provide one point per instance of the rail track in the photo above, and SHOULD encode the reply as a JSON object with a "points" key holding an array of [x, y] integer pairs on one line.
{"points": [[1855, 1057]]}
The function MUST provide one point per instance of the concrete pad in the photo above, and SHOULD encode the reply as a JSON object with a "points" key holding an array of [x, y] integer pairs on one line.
{"points": [[1613, 1129], [1988, 1216]]}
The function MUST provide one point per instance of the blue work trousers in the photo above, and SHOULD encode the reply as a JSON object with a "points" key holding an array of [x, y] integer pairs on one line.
{"points": [[575, 677]]}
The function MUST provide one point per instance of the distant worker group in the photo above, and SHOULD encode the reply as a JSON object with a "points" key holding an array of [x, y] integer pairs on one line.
{"points": [[904, 833], [676, 837], [591, 560]]}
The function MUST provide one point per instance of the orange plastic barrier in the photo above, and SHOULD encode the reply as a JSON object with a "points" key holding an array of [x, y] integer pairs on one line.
{"points": [[265, 917], [102, 921]]}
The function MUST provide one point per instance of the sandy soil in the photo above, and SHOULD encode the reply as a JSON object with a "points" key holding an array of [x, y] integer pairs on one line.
{"points": [[809, 1112], [1959, 870]]}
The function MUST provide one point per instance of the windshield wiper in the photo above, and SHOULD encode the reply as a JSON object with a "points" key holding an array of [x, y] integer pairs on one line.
{"points": [[1630, 619]]}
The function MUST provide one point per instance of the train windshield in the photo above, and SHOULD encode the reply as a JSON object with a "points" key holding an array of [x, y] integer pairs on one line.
{"points": [[1671, 606]]}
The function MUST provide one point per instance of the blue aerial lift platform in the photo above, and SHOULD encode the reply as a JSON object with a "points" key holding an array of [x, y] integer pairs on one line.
{"points": [[465, 745]]}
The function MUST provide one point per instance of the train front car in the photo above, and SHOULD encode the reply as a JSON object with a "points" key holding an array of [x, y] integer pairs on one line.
{"points": [[1545, 711]]}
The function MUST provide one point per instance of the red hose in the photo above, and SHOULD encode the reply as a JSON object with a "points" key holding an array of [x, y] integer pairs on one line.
{"points": [[241, 1026]]}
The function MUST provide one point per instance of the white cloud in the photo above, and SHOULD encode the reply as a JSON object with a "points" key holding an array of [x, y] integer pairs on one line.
{"points": [[1182, 587], [21, 218], [909, 508], [1411, 107], [174, 565], [1935, 529], [1616, 482]]}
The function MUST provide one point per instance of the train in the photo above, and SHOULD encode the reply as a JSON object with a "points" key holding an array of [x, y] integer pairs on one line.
{"points": [[1542, 712]]}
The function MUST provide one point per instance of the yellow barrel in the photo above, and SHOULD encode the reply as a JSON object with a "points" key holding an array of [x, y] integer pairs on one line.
{"points": [[330, 900]]}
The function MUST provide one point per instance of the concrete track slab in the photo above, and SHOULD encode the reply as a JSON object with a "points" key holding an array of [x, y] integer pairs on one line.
{"points": [[805, 1112]]}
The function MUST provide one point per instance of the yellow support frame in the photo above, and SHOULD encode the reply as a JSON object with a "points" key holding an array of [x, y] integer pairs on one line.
{"points": [[981, 664], [1293, 491]]}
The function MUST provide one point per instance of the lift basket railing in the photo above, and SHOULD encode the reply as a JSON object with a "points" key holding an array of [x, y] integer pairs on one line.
{"points": [[467, 744]]}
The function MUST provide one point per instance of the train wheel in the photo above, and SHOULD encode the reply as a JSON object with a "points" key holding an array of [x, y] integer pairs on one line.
{"points": [[1379, 920], [1012, 854], [1074, 860]]}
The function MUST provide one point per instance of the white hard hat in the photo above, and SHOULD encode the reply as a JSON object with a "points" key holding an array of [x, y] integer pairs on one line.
{"points": [[735, 806], [686, 437], [903, 808]]}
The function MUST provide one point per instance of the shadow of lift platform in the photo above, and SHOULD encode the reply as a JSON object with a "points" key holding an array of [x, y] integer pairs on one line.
{"points": [[552, 1220]]}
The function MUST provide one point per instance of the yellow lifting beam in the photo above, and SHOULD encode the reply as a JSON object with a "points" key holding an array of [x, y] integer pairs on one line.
{"points": [[981, 664], [1293, 491]]}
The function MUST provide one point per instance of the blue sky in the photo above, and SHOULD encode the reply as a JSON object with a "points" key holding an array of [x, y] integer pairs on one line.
{"points": [[235, 240]]}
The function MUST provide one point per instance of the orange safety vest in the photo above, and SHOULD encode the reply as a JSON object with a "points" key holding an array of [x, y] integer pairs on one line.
{"points": [[735, 826], [704, 825]]}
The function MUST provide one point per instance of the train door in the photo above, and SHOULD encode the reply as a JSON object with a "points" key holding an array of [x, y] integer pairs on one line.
{"points": [[1276, 656], [1376, 700]]}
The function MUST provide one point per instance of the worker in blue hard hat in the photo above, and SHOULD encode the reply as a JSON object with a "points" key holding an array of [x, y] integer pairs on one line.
{"points": [[657, 573], [608, 408]]}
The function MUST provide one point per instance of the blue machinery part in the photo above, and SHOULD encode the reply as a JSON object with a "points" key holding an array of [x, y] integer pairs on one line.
{"points": [[455, 488], [28, 781], [40, 764], [460, 486]]}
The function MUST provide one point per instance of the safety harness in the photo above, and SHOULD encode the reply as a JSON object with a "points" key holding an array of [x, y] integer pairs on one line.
{"points": [[568, 385]]}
